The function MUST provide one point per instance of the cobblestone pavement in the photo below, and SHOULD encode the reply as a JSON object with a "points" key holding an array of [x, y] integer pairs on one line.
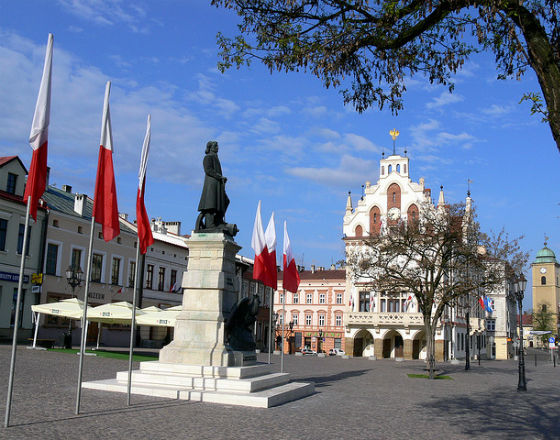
{"points": [[354, 399]]}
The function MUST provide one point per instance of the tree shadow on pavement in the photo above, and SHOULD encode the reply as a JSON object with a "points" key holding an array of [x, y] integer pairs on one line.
{"points": [[502, 412], [324, 381]]}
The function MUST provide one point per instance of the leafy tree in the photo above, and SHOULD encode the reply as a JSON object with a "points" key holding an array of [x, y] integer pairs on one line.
{"points": [[543, 321], [440, 259], [369, 47]]}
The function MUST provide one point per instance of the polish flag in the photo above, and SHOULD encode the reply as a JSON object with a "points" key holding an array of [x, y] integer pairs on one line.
{"points": [[258, 243], [38, 138], [270, 257], [481, 302], [145, 236], [105, 208], [291, 279]]}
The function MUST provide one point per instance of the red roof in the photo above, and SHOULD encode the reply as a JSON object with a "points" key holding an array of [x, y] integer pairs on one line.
{"points": [[6, 159], [527, 319]]}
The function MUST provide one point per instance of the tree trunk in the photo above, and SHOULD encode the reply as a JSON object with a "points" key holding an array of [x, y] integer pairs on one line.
{"points": [[430, 345], [542, 60]]}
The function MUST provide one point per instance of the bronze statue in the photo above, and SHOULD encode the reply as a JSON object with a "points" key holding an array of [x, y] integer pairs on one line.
{"points": [[240, 325], [214, 200]]}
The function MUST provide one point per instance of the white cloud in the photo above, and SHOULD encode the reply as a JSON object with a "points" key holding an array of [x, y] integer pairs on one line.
{"points": [[497, 110], [357, 142], [315, 111], [350, 172], [205, 95], [109, 12], [445, 98], [266, 126]]}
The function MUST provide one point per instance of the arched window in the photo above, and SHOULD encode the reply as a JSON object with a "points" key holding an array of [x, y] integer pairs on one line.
{"points": [[412, 214], [393, 196], [390, 169], [543, 280], [404, 168], [359, 231], [398, 168], [374, 220], [382, 171]]}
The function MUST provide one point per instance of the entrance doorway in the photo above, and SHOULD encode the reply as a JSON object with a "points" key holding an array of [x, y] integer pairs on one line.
{"points": [[363, 344], [393, 345]]}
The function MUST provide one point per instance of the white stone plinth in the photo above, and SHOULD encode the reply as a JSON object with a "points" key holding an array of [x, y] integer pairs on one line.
{"points": [[209, 293]]}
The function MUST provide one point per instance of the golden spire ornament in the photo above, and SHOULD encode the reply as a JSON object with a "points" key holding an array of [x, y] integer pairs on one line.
{"points": [[394, 135]]}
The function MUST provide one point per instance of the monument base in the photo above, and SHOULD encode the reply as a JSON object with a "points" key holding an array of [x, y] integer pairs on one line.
{"points": [[253, 386], [177, 353]]}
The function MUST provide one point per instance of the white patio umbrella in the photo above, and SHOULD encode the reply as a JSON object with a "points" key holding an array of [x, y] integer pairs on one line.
{"points": [[165, 318], [112, 313], [151, 309], [71, 308]]}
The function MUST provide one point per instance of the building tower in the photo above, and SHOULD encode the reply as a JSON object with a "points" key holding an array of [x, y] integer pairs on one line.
{"points": [[546, 287]]}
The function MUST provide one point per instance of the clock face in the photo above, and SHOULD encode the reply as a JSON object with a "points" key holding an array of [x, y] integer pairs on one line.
{"points": [[394, 213], [543, 269]]}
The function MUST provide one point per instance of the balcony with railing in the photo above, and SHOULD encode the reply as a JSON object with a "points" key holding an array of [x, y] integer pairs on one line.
{"points": [[384, 319]]}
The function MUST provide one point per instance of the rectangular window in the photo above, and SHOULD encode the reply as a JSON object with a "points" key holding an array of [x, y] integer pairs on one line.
{"points": [[11, 185], [3, 233], [337, 342], [321, 320], [339, 298], [20, 239], [309, 298], [338, 320], [115, 270], [491, 325], [173, 281], [295, 318], [52, 256], [150, 276], [383, 305], [132, 274], [281, 298], [76, 258], [307, 319], [321, 298], [96, 268], [161, 278], [296, 298], [280, 319], [364, 301]]}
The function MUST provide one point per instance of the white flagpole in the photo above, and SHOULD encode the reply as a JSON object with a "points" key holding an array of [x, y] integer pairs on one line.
{"points": [[16, 320], [283, 322], [133, 323], [271, 302], [84, 317]]}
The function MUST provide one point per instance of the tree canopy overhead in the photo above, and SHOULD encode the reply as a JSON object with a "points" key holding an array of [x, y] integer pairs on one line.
{"points": [[369, 47]]}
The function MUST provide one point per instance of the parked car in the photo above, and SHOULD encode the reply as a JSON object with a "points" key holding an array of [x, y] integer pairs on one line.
{"points": [[308, 352], [336, 352]]}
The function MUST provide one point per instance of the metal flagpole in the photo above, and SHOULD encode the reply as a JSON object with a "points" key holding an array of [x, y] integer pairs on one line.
{"points": [[84, 317], [16, 320], [283, 320], [271, 302], [133, 323]]}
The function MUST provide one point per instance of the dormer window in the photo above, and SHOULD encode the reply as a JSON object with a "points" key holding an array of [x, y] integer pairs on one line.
{"points": [[11, 185]]}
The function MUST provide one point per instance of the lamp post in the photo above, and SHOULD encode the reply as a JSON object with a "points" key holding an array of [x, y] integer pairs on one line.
{"points": [[74, 277], [519, 289], [275, 327], [319, 341]]}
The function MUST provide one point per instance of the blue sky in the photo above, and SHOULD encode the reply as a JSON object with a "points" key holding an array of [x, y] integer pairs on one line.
{"points": [[284, 139]]}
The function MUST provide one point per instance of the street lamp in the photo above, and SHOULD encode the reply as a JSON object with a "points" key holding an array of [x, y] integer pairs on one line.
{"points": [[74, 277], [319, 342], [519, 289], [275, 327]]}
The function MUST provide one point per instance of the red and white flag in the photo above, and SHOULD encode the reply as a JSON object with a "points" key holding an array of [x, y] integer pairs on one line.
{"points": [[291, 279], [258, 243], [407, 303], [371, 301], [145, 236], [105, 208], [270, 256], [38, 138]]}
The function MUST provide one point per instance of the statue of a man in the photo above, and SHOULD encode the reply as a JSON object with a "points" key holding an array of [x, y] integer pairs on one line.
{"points": [[214, 200]]}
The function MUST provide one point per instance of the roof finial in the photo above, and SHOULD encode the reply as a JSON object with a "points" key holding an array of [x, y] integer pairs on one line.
{"points": [[469, 181], [545, 239], [394, 135]]}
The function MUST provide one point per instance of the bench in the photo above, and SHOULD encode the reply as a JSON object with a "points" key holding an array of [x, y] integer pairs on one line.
{"points": [[46, 343]]}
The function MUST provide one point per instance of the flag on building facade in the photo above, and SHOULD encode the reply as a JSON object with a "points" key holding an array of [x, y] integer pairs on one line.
{"points": [[488, 304], [408, 302], [38, 138], [105, 208], [481, 302], [290, 280], [371, 301], [271, 273], [258, 243], [145, 236]]}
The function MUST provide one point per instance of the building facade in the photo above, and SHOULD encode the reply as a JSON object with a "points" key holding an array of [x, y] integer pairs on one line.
{"points": [[313, 317], [546, 286], [12, 225]]}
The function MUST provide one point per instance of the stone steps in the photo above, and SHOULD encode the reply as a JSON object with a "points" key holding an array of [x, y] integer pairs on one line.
{"points": [[255, 386]]}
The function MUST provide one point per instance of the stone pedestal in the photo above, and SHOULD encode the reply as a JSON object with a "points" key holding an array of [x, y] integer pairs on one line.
{"points": [[209, 293]]}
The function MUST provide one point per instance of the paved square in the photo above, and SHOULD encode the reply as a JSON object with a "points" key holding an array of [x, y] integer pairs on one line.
{"points": [[354, 399]]}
